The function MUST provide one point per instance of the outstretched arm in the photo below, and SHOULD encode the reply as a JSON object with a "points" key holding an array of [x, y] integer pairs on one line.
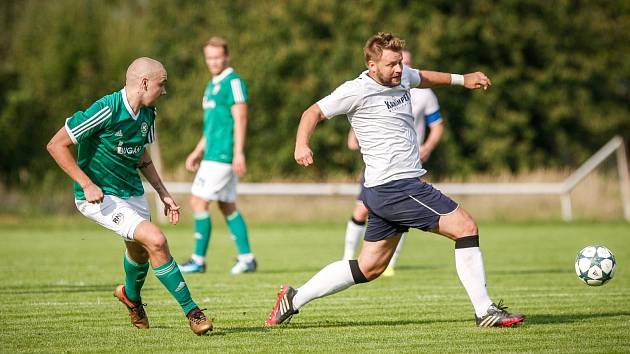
{"points": [[59, 149], [303, 154], [471, 81], [171, 209]]}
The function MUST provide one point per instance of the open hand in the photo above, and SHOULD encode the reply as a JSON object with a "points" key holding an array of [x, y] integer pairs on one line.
{"points": [[171, 209]]}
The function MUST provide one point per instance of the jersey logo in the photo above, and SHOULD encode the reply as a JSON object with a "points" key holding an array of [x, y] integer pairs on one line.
{"points": [[216, 89], [208, 104], [127, 150], [119, 133], [399, 102], [144, 128]]}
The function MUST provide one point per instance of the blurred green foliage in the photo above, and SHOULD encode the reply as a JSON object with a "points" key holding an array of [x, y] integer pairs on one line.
{"points": [[560, 71]]}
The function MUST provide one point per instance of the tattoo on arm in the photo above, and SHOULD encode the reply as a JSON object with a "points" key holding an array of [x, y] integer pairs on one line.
{"points": [[145, 164]]}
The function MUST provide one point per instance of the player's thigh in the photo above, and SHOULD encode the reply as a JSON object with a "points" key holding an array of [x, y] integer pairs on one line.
{"points": [[214, 181], [408, 203], [457, 224], [119, 215], [360, 212]]}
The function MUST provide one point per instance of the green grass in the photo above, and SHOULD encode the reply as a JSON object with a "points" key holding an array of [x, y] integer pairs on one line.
{"points": [[58, 276]]}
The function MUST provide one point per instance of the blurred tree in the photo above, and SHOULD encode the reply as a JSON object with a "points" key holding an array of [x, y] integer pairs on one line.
{"points": [[561, 78]]}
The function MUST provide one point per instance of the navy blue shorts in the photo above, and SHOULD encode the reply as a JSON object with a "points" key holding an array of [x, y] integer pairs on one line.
{"points": [[396, 206], [361, 195]]}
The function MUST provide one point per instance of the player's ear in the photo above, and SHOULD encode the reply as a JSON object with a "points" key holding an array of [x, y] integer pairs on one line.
{"points": [[144, 84], [371, 64]]}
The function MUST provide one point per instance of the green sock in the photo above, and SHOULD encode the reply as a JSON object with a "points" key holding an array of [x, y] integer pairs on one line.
{"points": [[135, 274], [203, 228], [237, 226], [172, 279]]}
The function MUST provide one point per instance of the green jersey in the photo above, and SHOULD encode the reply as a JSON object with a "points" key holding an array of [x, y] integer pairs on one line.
{"points": [[222, 92], [111, 139]]}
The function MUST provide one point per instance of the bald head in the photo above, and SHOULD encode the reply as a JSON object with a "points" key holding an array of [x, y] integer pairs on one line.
{"points": [[146, 82], [143, 68]]}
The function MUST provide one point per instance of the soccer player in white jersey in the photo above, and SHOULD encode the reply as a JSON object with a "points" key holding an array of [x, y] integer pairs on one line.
{"points": [[426, 112], [111, 136], [377, 104]]}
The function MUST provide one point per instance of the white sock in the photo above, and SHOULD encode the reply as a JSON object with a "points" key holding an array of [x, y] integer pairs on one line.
{"points": [[392, 262], [246, 257], [331, 279], [353, 235], [198, 259], [469, 264]]}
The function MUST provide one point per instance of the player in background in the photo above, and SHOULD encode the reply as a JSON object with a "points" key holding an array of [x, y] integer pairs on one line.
{"points": [[426, 112], [111, 136], [219, 159], [377, 104]]}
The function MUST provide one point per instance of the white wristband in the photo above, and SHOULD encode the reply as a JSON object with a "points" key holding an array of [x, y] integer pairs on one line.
{"points": [[457, 79]]}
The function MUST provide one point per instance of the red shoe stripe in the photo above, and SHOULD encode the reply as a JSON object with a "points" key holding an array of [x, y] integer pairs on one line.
{"points": [[511, 322], [272, 316]]}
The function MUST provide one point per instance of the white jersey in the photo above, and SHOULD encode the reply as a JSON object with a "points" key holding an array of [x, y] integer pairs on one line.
{"points": [[383, 123], [425, 109]]}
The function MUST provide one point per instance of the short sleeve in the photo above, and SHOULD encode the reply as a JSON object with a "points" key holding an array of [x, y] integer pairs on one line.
{"points": [[412, 76], [239, 91], [432, 108], [82, 125], [341, 101]]}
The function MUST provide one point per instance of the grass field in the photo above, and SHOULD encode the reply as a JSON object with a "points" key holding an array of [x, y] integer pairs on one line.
{"points": [[58, 276]]}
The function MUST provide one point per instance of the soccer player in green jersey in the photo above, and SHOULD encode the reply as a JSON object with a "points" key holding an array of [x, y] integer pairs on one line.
{"points": [[219, 160], [111, 136]]}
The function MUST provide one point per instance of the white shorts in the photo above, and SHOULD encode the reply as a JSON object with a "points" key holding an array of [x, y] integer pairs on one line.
{"points": [[215, 181], [119, 215]]}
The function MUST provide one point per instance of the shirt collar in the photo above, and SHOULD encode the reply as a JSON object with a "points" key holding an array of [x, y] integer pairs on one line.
{"points": [[222, 75], [127, 106]]}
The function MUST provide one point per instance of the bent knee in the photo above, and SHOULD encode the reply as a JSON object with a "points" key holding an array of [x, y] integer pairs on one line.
{"points": [[156, 242], [461, 224], [469, 227]]}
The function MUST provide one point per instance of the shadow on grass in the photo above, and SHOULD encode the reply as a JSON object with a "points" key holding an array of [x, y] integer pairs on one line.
{"points": [[421, 267], [533, 320], [290, 270], [332, 324], [532, 271], [569, 318], [38, 289]]}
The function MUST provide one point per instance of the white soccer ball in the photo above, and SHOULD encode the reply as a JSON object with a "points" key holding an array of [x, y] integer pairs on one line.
{"points": [[595, 265]]}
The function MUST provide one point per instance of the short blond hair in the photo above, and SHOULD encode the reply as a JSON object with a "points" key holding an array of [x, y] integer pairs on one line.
{"points": [[218, 42], [374, 46]]}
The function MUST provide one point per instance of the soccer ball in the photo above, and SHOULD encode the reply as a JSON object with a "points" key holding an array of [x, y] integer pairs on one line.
{"points": [[595, 265]]}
